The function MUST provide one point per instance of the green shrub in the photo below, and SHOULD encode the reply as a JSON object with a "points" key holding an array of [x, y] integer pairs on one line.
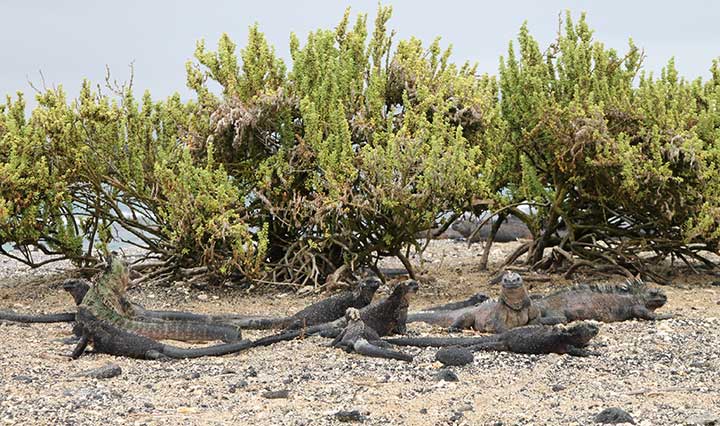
{"points": [[288, 174], [617, 157]]}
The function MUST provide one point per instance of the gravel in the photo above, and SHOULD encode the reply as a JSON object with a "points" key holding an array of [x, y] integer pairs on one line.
{"points": [[662, 373], [614, 416], [105, 372]]}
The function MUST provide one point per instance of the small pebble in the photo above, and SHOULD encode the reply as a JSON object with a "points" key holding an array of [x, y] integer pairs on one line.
{"points": [[349, 416], [279, 394], [446, 375]]}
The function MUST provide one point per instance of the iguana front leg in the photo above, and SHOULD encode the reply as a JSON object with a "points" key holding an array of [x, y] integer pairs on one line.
{"points": [[80, 348], [462, 322], [646, 314]]}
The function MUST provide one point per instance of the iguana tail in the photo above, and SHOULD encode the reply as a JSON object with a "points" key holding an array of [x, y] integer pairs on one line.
{"points": [[183, 353], [242, 321], [187, 331], [440, 318], [28, 318], [328, 329], [366, 348], [257, 323], [470, 301]]}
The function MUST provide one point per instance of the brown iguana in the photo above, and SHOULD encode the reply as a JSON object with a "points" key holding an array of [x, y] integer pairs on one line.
{"points": [[531, 339], [387, 316], [358, 337], [513, 309], [606, 303]]}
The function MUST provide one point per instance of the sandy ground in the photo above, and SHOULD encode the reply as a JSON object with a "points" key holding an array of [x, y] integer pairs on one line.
{"points": [[663, 373]]}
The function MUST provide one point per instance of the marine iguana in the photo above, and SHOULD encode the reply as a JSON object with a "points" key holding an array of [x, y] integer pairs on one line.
{"points": [[513, 309], [108, 302], [532, 339], [606, 303], [323, 311], [387, 316], [108, 338], [105, 320], [358, 337]]}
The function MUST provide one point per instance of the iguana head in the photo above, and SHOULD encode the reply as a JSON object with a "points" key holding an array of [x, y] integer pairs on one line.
{"points": [[405, 288], [352, 314], [368, 287], [581, 333], [77, 287], [478, 298], [654, 298], [651, 298], [410, 286], [513, 293]]}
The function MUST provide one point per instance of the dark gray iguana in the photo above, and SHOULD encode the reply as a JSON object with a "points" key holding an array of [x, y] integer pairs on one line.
{"points": [[76, 287], [473, 300], [532, 339], [358, 337], [513, 309], [325, 310], [605, 303], [387, 316]]}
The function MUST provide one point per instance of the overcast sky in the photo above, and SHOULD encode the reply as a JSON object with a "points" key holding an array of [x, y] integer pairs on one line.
{"points": [[72, 40]]}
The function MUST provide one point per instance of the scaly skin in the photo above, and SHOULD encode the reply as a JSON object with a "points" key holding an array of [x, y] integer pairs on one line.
{"points": [[514, 309], [473, 300], [532, 339], [323, 311], [110, 339], [358, 337], [603, 303], [106, 301], [386, 317], [104, 316], [29, 318]]}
